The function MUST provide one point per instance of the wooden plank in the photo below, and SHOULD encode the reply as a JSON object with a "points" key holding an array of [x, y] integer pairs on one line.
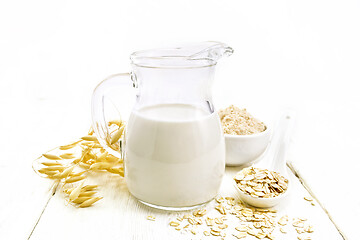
{"points": [[24, 197], [305, 184], [24, 194], [328, 161], [120, 216]]}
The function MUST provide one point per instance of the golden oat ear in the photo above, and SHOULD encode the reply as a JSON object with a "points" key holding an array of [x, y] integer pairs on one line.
{"points": [[69, 146], [89, 138], [80, 200], [62, 164], [89, 202], [51, 156], [67, 156], [76, 192]]}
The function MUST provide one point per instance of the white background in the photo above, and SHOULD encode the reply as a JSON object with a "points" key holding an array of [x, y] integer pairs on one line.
{"points": [[299, 54]]}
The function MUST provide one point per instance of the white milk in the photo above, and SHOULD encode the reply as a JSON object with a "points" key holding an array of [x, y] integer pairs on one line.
{"points": [[175, 155]]}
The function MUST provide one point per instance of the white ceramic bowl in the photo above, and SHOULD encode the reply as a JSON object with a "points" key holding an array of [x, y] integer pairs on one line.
{"points": [[244, 149]]}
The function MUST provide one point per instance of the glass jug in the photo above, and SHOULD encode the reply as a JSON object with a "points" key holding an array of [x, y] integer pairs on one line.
{"points": [[173, 146]]}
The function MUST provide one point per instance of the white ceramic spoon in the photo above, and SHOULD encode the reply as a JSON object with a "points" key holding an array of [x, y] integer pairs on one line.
{"points": [[274, 159]]}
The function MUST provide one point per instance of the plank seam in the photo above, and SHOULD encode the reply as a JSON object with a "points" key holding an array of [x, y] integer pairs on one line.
{"points": [[312, 194], [54, 188]]}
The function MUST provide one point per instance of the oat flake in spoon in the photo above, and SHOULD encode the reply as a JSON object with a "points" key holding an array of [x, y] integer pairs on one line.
{"points": [[266, 183], [261, 183]]}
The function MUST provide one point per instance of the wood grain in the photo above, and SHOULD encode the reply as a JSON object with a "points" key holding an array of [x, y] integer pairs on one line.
{"points": [[120, 216]]}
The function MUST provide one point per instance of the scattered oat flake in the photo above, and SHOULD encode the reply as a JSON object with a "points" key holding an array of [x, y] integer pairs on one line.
{"points": [[309, 229], [260, 235], [260, 223], [283, 220], [151, 218], [308, 199], [223, 226], [252, 232], [218, 221], [214, 233], [304, 237], [200, 212], [187, 216], [299, 230], [240, 235], [216, 229], [209, 221], [174, 224], [298, 224], [219, 199], [221, 209], [191, 221], [242, 228], [270, 236]]}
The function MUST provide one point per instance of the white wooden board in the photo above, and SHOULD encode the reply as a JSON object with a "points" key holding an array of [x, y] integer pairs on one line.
{"points": [[120, 216]]}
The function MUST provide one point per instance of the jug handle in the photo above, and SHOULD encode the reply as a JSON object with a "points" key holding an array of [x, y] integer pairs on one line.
{"points": [[118, 84]]}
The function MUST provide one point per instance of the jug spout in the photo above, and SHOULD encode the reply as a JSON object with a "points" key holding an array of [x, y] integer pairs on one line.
{"points": [[212, 51], [183, 56]]}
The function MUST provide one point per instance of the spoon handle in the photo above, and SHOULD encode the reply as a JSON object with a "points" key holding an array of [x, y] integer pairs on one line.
{"points": [[281, 142]]}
